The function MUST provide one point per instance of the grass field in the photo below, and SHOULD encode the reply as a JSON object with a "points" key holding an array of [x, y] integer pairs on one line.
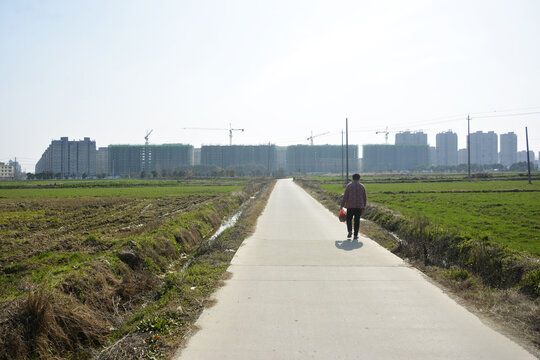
{"points": [[476, 185], [46, 232], [477, 208], [83, 263], [116, 191], [119, 182]]}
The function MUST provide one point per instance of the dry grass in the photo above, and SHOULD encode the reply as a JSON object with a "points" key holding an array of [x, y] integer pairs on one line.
{"points": [[47, 327], [129, 347]]}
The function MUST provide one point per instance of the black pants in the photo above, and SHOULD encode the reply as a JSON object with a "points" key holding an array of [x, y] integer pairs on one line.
{"points": [[356, 214]]}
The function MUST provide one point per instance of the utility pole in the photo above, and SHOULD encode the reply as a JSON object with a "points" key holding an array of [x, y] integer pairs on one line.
{"points": [[347, 146], [528, 156], [469, 147], [342, 179], [269, 158]]}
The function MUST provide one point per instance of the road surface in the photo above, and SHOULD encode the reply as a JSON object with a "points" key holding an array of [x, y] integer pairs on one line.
{"points": [[300, 291]]}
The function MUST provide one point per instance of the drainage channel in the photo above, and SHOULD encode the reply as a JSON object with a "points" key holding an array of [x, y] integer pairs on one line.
{"points": [[226, 224]]}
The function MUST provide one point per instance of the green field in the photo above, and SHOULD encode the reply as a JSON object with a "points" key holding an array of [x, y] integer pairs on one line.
{"points": [[478, 185], [48, 227], [119, 182], [152, 191], [103, 258], [477, 208]]}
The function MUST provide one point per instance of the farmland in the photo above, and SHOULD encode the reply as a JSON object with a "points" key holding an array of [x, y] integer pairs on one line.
{"points": [[46, 229], [102, 248], [507, 212]]}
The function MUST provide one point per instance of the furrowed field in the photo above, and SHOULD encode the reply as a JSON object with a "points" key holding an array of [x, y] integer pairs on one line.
{"points": [[507, 212], [48, 230], [78, 259]]}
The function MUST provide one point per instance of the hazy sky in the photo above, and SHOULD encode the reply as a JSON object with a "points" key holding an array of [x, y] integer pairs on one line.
{"points": [[110, 70]]}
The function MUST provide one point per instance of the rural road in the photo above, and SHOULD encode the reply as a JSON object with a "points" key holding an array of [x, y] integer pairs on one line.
{"points": [[298, 291]]}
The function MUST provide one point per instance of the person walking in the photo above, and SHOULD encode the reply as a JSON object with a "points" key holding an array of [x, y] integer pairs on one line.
{"points": [[354, 200]]}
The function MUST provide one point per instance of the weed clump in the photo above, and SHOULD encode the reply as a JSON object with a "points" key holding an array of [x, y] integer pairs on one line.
{"points": [[44, 324]]}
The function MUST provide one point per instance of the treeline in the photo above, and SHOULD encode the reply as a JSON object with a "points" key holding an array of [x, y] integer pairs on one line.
{"points": [[49, 175], [463, 168], [186, 172]]}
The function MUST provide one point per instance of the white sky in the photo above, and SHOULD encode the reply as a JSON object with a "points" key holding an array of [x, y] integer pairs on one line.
{"points": [[110, 70]]}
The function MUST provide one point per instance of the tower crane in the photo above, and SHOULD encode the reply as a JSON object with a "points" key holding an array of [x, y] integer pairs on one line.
{"points": [[385, 132], [230, 130], [147, 136], [314, 136]]}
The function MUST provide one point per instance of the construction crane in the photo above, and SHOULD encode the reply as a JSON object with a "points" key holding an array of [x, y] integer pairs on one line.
{"points": [[230, 130], [147, 136], [385, 132], [314, 136]]}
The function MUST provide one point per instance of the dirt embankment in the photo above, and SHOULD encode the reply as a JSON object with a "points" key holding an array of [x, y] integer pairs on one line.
{"points": [[117, 259]]}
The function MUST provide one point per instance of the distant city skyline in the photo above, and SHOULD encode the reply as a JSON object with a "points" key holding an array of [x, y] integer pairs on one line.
{"points": [[391, 141], [281, 70]]}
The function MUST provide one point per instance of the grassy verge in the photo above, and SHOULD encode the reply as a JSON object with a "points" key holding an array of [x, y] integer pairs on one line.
{"points": [[492, 279], [81, 273], [160, 329]]}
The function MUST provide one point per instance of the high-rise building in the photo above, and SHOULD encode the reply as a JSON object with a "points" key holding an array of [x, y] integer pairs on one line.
{"points": [[69, 158], [228, 156], [132, 160], [320, 158], [17, 169], [281, 158], [432, 156], [102, 161], [484, 148], [408, 138], [447, 149], [522, 156], [508, 148], [394, 157], [197, 156], [463, 156]]}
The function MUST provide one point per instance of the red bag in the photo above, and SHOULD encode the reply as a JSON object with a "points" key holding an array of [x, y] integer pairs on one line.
{"points": [[342, 215]]}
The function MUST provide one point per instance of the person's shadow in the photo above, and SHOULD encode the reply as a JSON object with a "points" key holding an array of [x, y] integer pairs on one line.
{"points": [[349, 245]]}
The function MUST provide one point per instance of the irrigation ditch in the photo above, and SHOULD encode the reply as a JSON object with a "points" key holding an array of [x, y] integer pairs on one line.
{"points": [[497, 283], [140, 297]]}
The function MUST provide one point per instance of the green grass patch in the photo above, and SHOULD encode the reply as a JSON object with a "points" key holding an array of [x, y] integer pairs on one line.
{"points": [[477, 185], [509, 218], [120, 182], [108, 192]]}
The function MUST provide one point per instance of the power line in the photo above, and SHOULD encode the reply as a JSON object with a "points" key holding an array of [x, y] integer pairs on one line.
{"points": [[504, 115], [455, 118]]}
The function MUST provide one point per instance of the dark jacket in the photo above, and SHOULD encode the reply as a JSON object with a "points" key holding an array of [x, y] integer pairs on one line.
{"points": [[355, 196]]}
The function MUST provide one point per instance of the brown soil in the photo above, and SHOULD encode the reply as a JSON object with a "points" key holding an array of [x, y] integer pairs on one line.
{"points": [[31, 227], [75, 315]]}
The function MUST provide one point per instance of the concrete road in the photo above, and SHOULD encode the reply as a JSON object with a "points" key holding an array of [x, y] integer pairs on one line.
{"points": [[299, 291]]}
